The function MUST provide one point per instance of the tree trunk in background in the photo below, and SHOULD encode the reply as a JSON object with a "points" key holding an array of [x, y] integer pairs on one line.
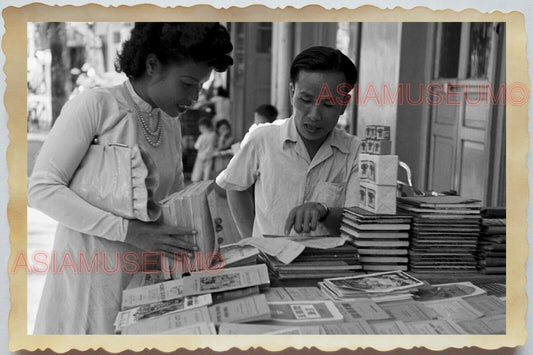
{"points": [[57, 36]]}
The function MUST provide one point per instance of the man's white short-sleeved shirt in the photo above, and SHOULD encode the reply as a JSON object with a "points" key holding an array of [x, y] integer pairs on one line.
{"points": [[275, 160]]}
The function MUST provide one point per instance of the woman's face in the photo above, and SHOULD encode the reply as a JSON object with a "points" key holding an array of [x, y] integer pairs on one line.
{"points": [[175, 87]]}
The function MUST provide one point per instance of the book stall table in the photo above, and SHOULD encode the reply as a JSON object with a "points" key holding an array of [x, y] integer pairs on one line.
{"points": [[249, 300]]}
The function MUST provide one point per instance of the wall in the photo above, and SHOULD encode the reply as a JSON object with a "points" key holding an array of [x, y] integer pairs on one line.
{"points": [[379, 72], [414, 119]]}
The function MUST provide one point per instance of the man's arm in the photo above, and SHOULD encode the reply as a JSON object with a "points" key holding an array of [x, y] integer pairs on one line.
{"points": [[305, 218], [241, 205]]}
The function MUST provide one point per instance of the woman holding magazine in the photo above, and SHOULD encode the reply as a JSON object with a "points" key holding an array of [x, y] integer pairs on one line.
{"points": [[97, 250]]}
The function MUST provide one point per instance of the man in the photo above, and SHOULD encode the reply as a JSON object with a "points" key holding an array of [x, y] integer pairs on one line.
{"points": [[304, 171]]}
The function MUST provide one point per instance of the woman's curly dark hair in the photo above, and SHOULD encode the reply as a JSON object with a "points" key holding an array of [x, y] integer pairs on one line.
{"points": [[205, 42]]}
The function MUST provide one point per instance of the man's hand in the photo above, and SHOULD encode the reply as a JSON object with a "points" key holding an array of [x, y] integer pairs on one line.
{"points": [[305, 218]]}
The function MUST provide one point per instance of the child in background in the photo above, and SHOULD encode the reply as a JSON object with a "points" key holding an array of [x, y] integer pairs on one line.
{"points": [[223, 154], [265, 114], [205, 145]]}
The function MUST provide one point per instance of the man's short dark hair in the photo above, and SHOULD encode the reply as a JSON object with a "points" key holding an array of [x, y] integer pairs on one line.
{"points": [[268, 111], [322, 58]]}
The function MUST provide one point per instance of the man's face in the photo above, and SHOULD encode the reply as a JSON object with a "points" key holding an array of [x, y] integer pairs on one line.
{"points": [[318, 99]]}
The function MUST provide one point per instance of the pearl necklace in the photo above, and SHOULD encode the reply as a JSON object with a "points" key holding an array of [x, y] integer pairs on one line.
{"points": [[147, 132]]}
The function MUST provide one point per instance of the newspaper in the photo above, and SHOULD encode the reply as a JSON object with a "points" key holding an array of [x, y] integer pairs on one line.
{"points": [[488, 305], [304, 312], [390, 327], [367, 310], [485, 325], [241, 328], [198, 283], [246, 309], [437, 326], [202, 328], [359, 326], [168, 322], [132, 315], [408, 311], [456, 309]]}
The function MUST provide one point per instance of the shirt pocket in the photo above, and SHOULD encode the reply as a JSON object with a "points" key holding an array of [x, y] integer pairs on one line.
{"points": [[330, 193]]}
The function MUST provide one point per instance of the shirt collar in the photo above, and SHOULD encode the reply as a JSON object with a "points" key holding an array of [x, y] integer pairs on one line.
{"points": [[336, 138], [143, 105]]}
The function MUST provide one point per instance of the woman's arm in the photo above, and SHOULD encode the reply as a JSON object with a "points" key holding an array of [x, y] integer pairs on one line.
{"points": [[241, 205], [60, 156]]}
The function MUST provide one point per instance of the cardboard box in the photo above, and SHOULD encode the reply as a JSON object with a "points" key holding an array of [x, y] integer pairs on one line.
{"points": [[363, 146], [380, 199], [378, 169], [381, 147], [371, 132], [383, 133]]}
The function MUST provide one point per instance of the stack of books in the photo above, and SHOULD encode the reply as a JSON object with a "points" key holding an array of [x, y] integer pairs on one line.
{"points": [[491, 248], [444, 233], [381, 286], [316, 263], [194, 304], [382, 240], [190, 208]]}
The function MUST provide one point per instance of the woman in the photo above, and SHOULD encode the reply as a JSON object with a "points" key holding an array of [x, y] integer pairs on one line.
{"points": [[166, 64]]}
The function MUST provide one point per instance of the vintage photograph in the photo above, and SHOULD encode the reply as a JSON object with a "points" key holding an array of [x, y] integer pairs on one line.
{"points": [[152, 145]]}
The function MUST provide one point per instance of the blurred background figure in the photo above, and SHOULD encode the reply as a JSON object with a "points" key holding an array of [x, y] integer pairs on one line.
{"points": [[205, 145], [265, 114], [221, 103], [223, 153]]}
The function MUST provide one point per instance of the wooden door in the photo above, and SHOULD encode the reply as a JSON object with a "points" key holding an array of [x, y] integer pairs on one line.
{"points": [[462, 109]]}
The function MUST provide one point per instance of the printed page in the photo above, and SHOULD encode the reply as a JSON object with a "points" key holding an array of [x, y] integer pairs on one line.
{"points": [[389, 327], [153, 293], [132, 315], [202, 328], [304, 312], [358, 326], [366, 310], [488, 305], [277, 294], [456, 309], [305, 293], [252, 308], [251, 328], [226, 279], [485, 325], [437, 326], [408, 311], [168, 322]]}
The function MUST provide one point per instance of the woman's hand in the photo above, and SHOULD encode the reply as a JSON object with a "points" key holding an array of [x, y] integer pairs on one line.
{"points": [[156, 237], [305, 218]]}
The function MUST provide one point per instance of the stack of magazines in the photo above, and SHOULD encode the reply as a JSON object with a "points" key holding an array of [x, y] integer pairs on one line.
{"points": [[444, 233], [382, 240], [194, 304], [316, 263], [381, 286], [492, 241]]}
